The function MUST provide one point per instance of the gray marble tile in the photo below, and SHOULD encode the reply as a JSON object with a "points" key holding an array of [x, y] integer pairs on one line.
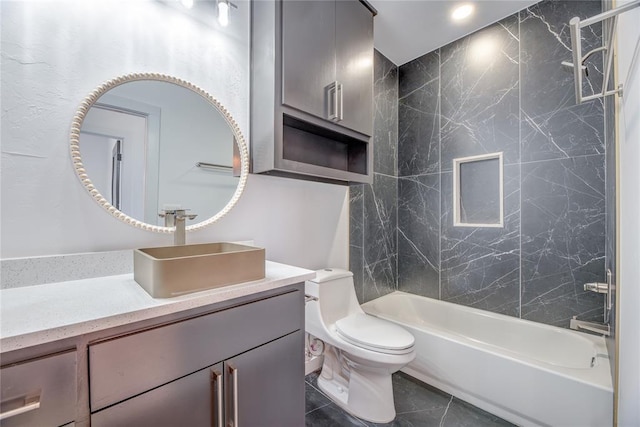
{"points": [[480, 267], [314, 398], [331, 416], [570, 132], [412, 395], [419, 235], [463, 414], [563, 238], [356, 266], [547, 85], [419, 127], [420, 405], [356, 237], [555, 298], [356, 214], [385, 134], [415, 74], [417, 404], [480, 94], [380, 248]]}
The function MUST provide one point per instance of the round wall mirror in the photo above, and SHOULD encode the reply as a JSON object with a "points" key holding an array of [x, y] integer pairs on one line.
{"points": [[145, 143]]}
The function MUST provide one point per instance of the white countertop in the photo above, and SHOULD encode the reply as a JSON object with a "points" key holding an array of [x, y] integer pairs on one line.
{"points": [[44, 313]]}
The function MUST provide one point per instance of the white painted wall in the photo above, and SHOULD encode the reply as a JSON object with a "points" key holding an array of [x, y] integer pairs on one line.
{"points": [[628, 333], [55, 52]]}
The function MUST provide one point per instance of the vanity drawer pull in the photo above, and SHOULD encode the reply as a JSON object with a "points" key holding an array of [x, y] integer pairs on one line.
{"points": [[31, 403], [234, 395], [217, 416], [39, 392]]}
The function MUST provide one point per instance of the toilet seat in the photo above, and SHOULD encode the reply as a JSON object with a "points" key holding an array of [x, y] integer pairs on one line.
{"points": [[374, 334]]}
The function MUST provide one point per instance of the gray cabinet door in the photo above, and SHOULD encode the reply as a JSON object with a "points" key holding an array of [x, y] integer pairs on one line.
{"points": [[189, 401], [308, 54], [265, 386], [123, 367], [354, 59]]}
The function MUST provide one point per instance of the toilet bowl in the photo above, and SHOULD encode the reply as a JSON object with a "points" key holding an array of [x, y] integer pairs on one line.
{"points": [[362, 351]]}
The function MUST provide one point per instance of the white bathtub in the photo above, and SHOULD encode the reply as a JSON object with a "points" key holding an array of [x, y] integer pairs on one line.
{"points": [[525, 372]]}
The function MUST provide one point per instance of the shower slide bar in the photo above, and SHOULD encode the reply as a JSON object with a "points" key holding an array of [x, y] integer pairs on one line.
{"points": [[576, 25]]}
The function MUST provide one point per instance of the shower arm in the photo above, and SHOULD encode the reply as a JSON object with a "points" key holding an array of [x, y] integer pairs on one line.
{"points": [[576, 26]]}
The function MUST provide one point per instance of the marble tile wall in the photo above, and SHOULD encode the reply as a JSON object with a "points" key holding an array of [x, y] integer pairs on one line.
{"points": [[563, 220], [373, 215], [503, 89]]}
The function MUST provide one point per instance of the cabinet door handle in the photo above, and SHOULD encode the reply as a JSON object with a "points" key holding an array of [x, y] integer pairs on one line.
{"points": [[217, 419], [234, 395], [332, 101], [339, 97], [31, 403]]}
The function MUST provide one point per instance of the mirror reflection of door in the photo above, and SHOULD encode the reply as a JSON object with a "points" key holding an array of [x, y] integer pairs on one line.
{"points": [[120, 137], [178, 150], [116, 170]]}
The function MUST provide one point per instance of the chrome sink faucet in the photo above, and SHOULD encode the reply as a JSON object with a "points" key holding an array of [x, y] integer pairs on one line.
{"points": [[177, 218]]}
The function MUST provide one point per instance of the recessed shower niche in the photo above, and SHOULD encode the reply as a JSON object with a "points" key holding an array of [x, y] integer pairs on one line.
{"points": [[478, 191]]}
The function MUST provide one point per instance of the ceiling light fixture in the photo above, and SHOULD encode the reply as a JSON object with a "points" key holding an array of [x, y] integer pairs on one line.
{"points": [[187, 3], [462, 12]]}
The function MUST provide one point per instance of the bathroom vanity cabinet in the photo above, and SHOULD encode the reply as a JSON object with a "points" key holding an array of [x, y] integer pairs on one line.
{"points": [[241, 366], [218, 358], [312, 89]]}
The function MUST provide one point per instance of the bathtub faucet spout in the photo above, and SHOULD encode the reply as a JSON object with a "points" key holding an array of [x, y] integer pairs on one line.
{"points": [[598, 328]]}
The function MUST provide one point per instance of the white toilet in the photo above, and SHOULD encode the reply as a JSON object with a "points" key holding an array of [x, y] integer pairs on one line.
{"points": [[362, 352]]}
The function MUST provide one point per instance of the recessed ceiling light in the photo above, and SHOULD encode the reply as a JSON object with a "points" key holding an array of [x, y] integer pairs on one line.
{"points": [[462, 12]]}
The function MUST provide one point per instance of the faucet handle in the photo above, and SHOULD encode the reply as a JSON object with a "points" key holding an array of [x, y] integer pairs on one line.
{"points": [[164, 212], [183, 215]]}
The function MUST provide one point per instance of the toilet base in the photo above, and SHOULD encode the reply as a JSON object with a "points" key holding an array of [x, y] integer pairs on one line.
{"points": [[363, 391]]}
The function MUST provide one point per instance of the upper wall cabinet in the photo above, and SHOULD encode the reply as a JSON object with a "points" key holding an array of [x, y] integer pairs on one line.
{"points": [[312, 89], [327, 57]]}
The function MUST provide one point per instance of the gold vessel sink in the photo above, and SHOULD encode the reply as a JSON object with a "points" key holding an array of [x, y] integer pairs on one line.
{"points": [[176, 270]]}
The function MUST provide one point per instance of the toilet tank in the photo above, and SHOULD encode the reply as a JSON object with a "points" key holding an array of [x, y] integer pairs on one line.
{"points": [[335, 292]]}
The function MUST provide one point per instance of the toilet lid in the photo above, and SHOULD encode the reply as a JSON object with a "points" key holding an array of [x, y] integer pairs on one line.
{"points": [[375, 334]]}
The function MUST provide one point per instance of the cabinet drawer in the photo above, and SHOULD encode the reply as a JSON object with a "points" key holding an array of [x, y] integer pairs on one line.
{"points": [[48, 386], [130, 365]]}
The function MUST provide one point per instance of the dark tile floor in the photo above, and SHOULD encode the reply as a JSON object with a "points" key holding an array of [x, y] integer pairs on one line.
{"points": [[417, 405]]}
